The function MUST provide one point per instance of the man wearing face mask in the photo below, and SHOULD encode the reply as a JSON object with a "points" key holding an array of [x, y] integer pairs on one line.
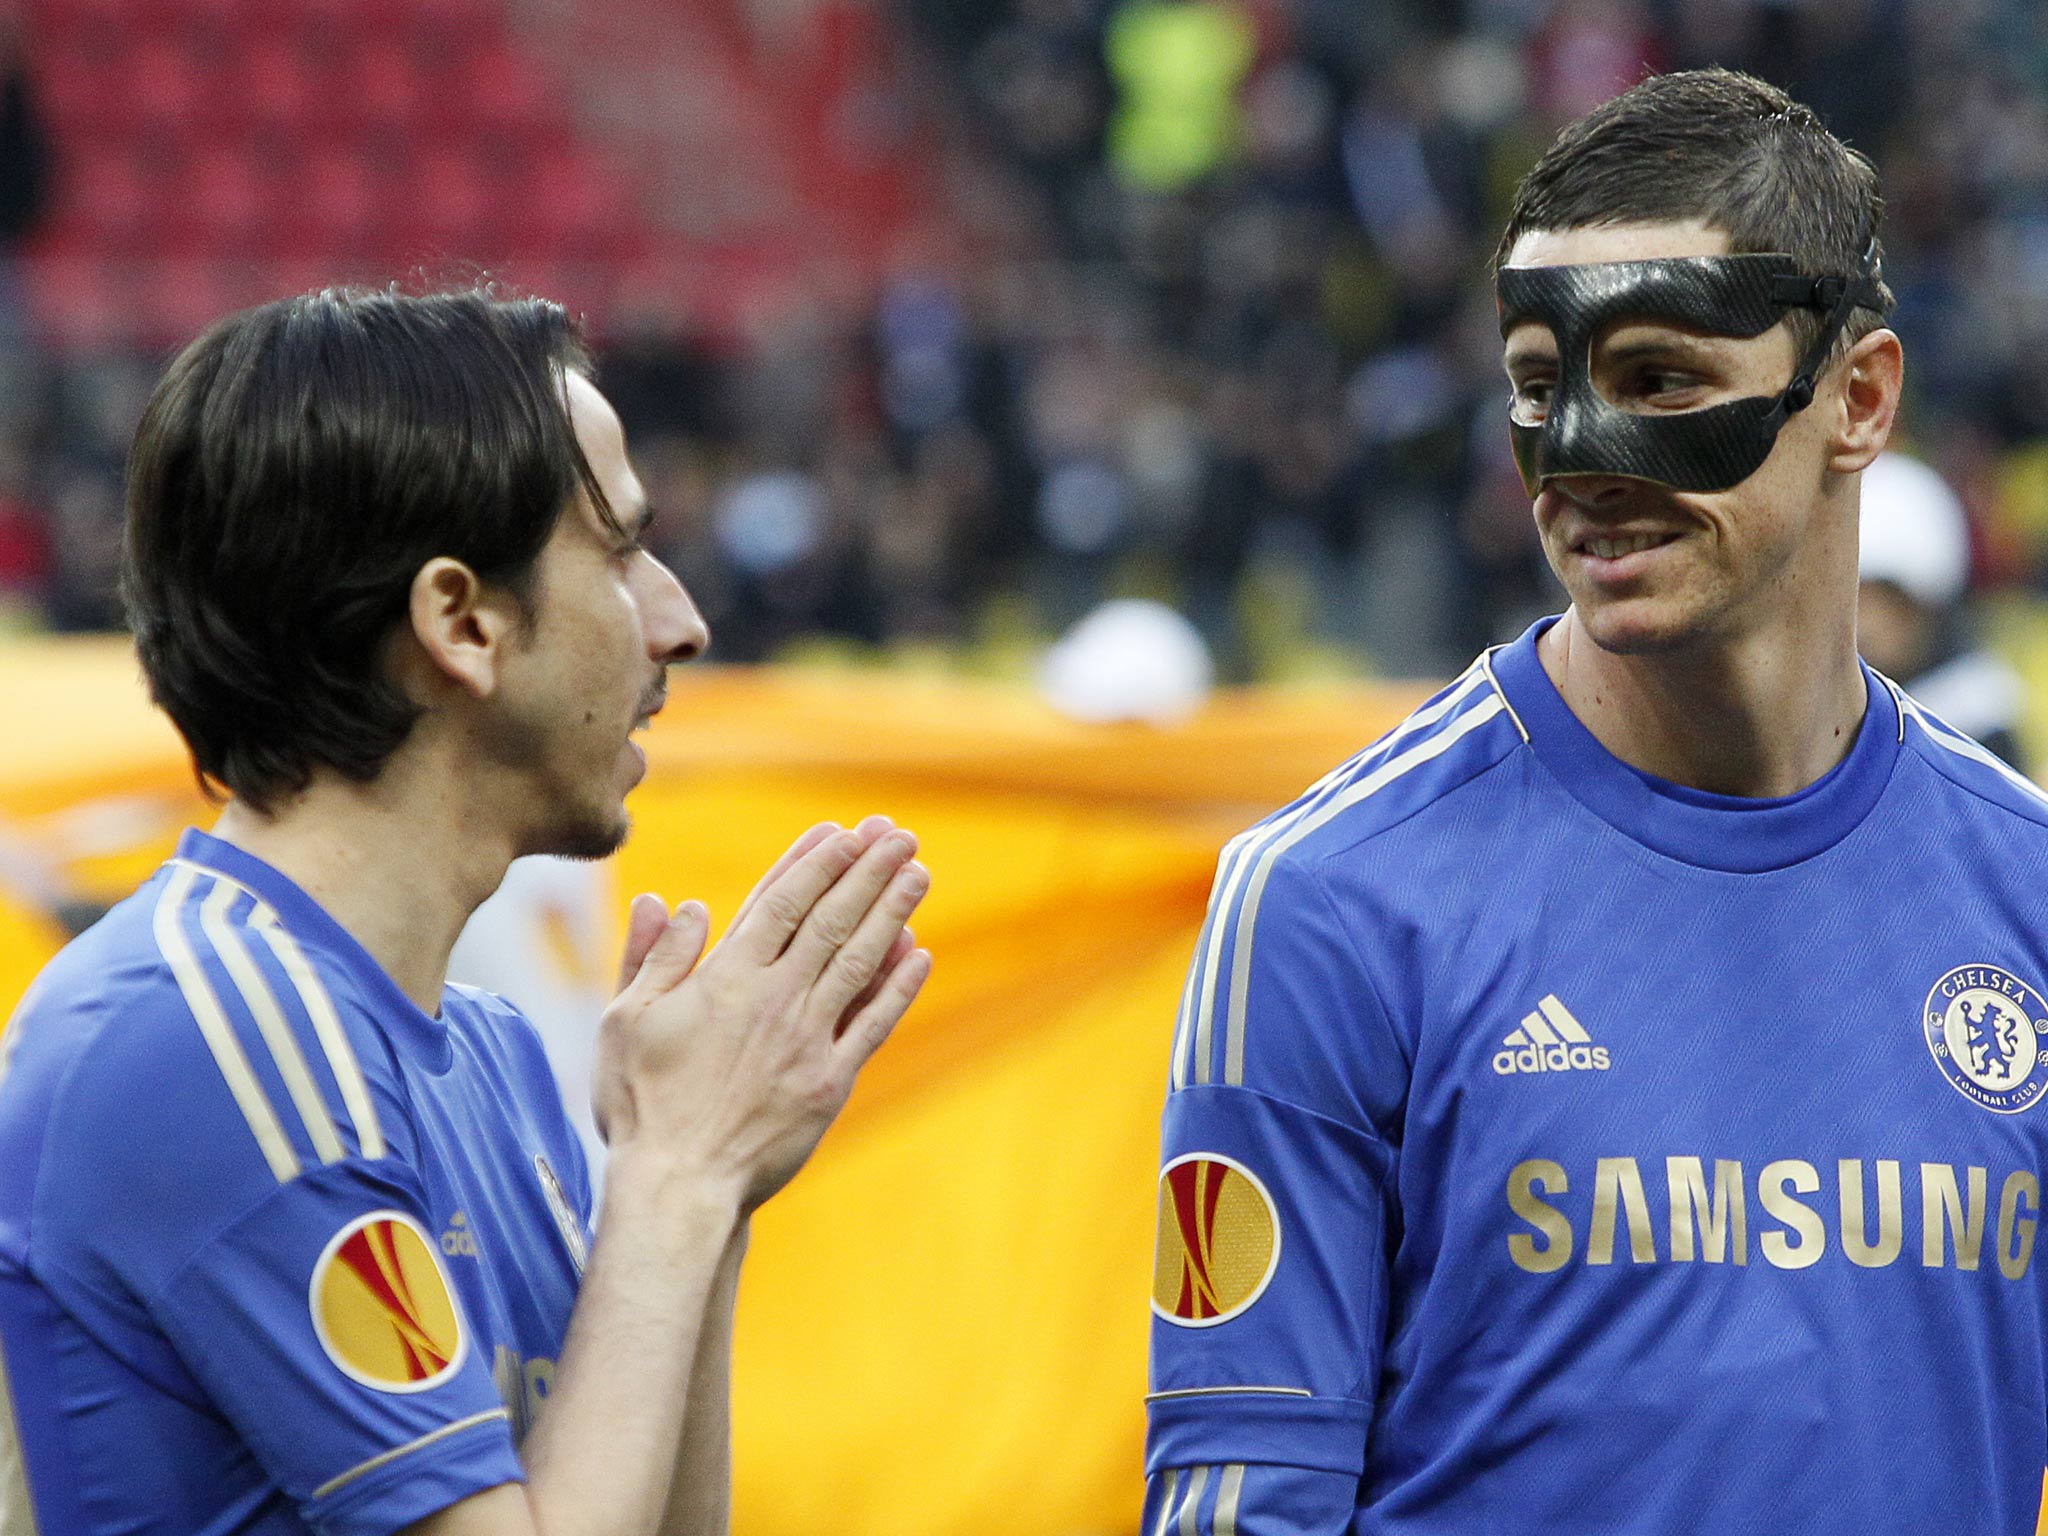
{"points": [[1611, 1100]]}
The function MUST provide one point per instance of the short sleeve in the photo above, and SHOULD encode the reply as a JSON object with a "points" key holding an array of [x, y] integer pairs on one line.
{"points": [[323, 1324], [233, 1183], [1275, 1218]]}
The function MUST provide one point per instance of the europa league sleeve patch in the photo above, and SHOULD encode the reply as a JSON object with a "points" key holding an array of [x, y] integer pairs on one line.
{"points": [[383, 1307], [1219, 1240]]}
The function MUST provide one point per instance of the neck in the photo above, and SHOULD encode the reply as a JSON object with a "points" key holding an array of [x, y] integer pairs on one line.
{"points": [[401, 863], [1762, 716]]}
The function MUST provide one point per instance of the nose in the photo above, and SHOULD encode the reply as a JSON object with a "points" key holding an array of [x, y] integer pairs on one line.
{"points": [[675, 630], [1591, 491]]}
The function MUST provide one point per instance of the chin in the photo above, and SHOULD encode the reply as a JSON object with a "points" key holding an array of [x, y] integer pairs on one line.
{"points": [[594, 837], [1638, 626]]}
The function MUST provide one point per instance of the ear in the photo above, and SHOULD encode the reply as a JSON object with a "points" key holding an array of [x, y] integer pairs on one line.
{"points": [[1872, 375], [462, 625]]}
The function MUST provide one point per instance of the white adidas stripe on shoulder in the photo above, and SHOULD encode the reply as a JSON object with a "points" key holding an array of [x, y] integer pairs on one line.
{"points": [[254, 990], [1247, 860], [270, 1021], [234, 1066], [1247, 922], [341, 1056], [1947, 737], [1198, 996]]}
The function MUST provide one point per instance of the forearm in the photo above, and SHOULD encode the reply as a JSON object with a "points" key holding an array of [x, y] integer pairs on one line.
{"points": [[603, 1457], [700, 1500]]}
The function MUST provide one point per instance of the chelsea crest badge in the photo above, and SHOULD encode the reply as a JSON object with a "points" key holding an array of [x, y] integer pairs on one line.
{"points": [[1988, 1032]]}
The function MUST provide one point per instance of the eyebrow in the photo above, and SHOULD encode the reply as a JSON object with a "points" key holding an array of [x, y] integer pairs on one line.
{"points": [[1655, 347]]}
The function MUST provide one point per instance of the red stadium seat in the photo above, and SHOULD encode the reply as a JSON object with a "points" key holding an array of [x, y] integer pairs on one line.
{"points": [[571, 207], [217, 151], [452, 207], [73, 80], [76, 23], [503, 94], [444, 30], [345, 24], [225, 204], [112, 199], [165, 87], [332, 205], [382, 87], [278, 90], [223, 20]]}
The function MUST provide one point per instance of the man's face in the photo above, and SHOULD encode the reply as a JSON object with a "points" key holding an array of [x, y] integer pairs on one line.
{"points": [[608, 620], [1650, 568]]}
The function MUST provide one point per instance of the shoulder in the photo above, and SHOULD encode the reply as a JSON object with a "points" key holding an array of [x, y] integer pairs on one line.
{"points": [[2001, 790], [1452, 740], [1279, 958], [189, 1040]]}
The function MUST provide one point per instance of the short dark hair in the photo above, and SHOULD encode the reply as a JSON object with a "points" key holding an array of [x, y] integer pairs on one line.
{"points": [[293, 471], [1726, 149]]}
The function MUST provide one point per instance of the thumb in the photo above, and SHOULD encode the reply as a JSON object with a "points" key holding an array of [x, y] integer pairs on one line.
{"points": [[676, 948]]}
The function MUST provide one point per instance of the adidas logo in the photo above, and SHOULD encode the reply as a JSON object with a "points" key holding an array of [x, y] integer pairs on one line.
{"points": [[1550, 1040], [458, 1242]]}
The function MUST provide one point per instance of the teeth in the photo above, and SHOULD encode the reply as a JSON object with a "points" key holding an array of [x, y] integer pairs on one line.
{"points": [[1614, 549]]}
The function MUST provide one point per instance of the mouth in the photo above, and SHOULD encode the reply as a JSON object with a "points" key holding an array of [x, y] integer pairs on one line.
{"points": [[649, 708], [1619, 546], [1618, 551]]}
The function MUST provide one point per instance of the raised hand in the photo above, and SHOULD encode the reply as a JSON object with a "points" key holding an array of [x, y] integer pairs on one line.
{"points": [[736, 1062]]}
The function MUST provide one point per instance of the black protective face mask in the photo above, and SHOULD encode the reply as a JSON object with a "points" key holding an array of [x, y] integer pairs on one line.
{"points": [[1710, 449]]}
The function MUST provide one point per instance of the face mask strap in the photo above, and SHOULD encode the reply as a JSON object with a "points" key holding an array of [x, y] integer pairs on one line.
{"points": [[1838, 297]]}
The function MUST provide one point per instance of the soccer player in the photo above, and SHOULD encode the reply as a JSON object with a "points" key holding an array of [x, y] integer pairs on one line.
{"points": [[1612, 1101], [294, 1237]]}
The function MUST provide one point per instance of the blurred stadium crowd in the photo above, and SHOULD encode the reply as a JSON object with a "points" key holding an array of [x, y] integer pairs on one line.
{"points": [[1063, 300]]}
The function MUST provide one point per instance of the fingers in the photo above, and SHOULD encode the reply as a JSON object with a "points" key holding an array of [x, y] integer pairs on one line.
{"points": [[795, 851], [676, 948], [786, 901], [872, 1025], [856, 963], [836, 916], [645, 920], [904, 942]]}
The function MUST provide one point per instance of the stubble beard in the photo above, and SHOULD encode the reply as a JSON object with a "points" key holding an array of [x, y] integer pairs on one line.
{"points": [[590, 841]]}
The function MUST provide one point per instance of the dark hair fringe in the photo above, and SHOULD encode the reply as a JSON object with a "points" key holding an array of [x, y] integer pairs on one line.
{"points": [[294, 469]]}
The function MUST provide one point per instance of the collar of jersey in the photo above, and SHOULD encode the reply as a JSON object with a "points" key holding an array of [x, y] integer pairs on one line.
{"points": [[1724, 832], [423, 1038]]}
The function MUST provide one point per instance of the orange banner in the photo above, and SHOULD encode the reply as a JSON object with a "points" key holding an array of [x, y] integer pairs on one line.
{"points": [[942, 1327]]}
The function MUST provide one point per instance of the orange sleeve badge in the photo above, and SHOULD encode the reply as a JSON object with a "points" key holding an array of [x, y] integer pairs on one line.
{"points": [[383, 1307], [1219, 1240]]}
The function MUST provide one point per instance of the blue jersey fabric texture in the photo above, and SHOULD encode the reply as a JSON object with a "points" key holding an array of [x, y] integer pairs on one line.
{"points": [[200, 1098], [1619, 1157]]}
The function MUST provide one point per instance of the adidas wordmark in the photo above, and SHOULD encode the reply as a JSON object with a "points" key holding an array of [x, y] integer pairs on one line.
{"points": [[1550, 1040]]}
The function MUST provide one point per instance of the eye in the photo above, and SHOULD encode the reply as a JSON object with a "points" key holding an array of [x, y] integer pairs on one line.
{"points": [[1673, 388], [1529, 402]]}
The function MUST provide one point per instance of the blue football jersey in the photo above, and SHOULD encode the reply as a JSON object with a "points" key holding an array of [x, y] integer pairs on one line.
{"points": [[1549, 1147], [278, 1251]]}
